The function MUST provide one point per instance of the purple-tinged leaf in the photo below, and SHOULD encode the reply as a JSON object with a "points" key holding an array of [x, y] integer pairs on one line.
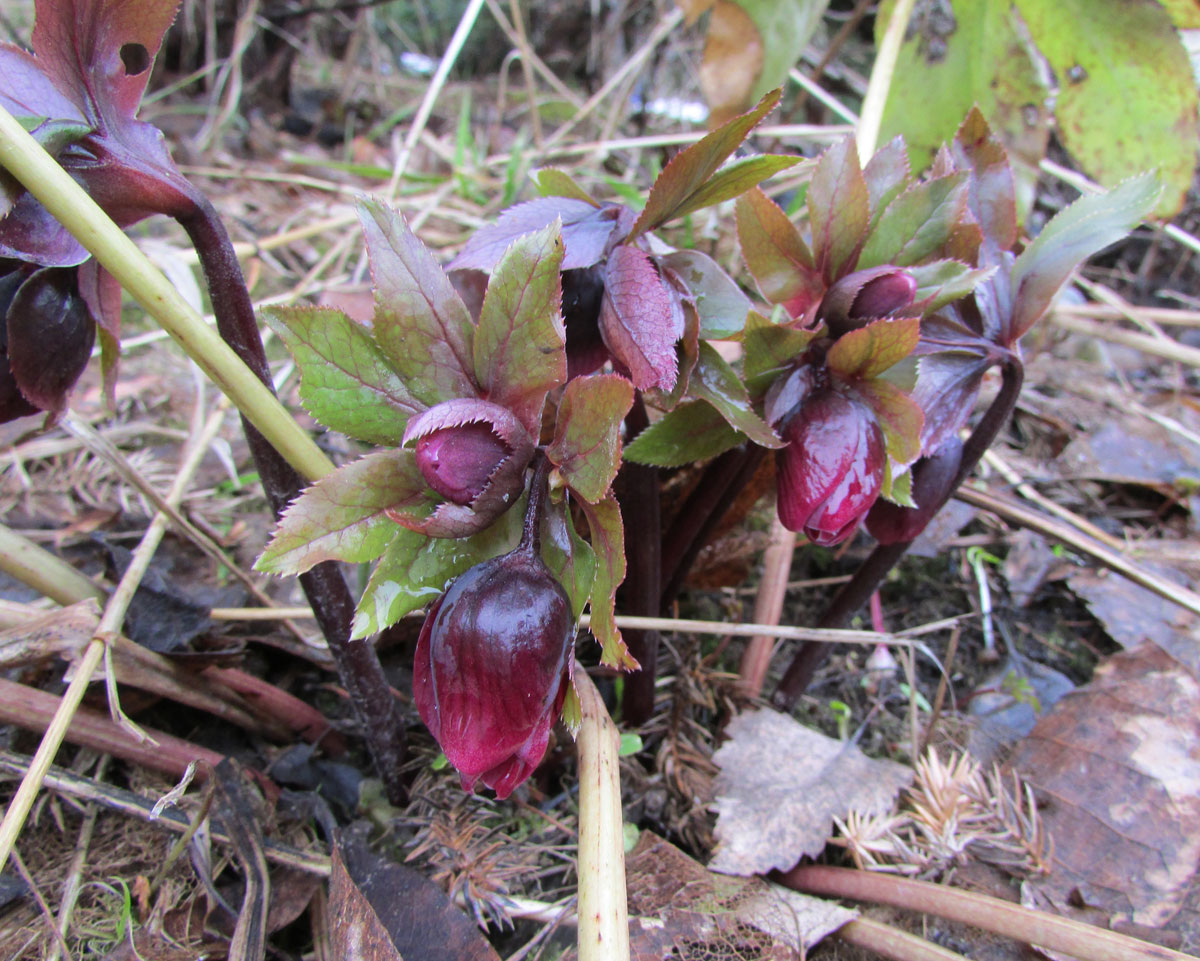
{"points": [[991, 193], [568, 556], [520, 343], [690, 169], [415, 570], [839, 210], [867, 352], [916, 223], [343, 516], [771, 347], [734, 180], [687, 350], [1087, 226], [587, 437], [886, 174], [30, 232], [552, 182], [640, 319], [899, 416], [714, 381], [27, 91], [586, 232], [346, 382], [867, 294], [608, 541], [693, 431], [941, 282], [421, 323], [777, 255], [12, 404], [50, 335], [720, 304], [103, 294], [947, 385], [101, 51]]}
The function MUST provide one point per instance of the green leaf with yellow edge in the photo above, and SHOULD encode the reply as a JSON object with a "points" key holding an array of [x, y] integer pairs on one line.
{"points": [[867, 352], [552, 182], [587, 436], [1127, 97], [520, 343], [715, 381], [346, 382], [342, 516], [415, 570], [691, 168], [693, 431], [839, 210], [421, 323], [608, 541], [917, 223]]}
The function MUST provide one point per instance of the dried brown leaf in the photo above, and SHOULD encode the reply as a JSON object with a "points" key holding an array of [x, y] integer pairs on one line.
{"points": [[782, 784]]}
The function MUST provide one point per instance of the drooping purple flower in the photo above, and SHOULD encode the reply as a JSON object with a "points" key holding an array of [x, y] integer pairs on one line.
{"points": [[866, 295], [831, 470], [493, 663], [933, 479], [457, 461]]}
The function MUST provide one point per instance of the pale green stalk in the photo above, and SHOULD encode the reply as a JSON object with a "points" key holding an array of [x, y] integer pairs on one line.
{"points": [[24, 158], [881, 79], [46, 573]]}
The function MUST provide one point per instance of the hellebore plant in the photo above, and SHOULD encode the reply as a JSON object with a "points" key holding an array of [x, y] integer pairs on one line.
{"points": [[78, 94]]}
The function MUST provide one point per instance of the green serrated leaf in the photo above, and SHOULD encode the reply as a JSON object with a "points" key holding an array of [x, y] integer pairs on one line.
{"points": [[1127, 97], [716, 382], [887, 175], [572, 712], [900, 417], [1088, 225], [898, 489], [552, 182], [778, 257], [608, 541], [770, 346], [839, 210], [869, 351], [733, 180], [342, 516], [421, 323], [346, 382], [520, 344], [587, 436], [941, 282], [691, 168], [917, 223], [720, 304], [415, 570], [569, 557], [693, 431]]}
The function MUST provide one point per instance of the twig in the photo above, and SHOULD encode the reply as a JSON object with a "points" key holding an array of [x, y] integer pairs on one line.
{"points": [[1012, 511], [1002, 917], [768, 607], [603, 911], [1147, 344], [46, 573], [881, 79], [889, 942]]}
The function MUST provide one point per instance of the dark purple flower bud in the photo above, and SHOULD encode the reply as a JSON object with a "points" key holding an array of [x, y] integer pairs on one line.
{"points": [[457, 461], [12, 402], [831, 470], [933, 480], [493, 663], [474, 453], [866, 295]]}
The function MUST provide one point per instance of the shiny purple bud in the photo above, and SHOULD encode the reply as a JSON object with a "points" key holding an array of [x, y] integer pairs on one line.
{"points": [[457, 461], [831, 470], [932, 483], [493, 662], [867, 295]]}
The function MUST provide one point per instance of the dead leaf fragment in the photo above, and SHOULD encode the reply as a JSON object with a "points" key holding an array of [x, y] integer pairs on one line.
{"points": [[782, 784], [1119, 764], [700, 910], [733, 60]]}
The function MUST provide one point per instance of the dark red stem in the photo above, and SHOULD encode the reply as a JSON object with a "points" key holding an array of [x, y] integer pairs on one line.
{"points": [[638, 494], [357, 662], [875, 568]]}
